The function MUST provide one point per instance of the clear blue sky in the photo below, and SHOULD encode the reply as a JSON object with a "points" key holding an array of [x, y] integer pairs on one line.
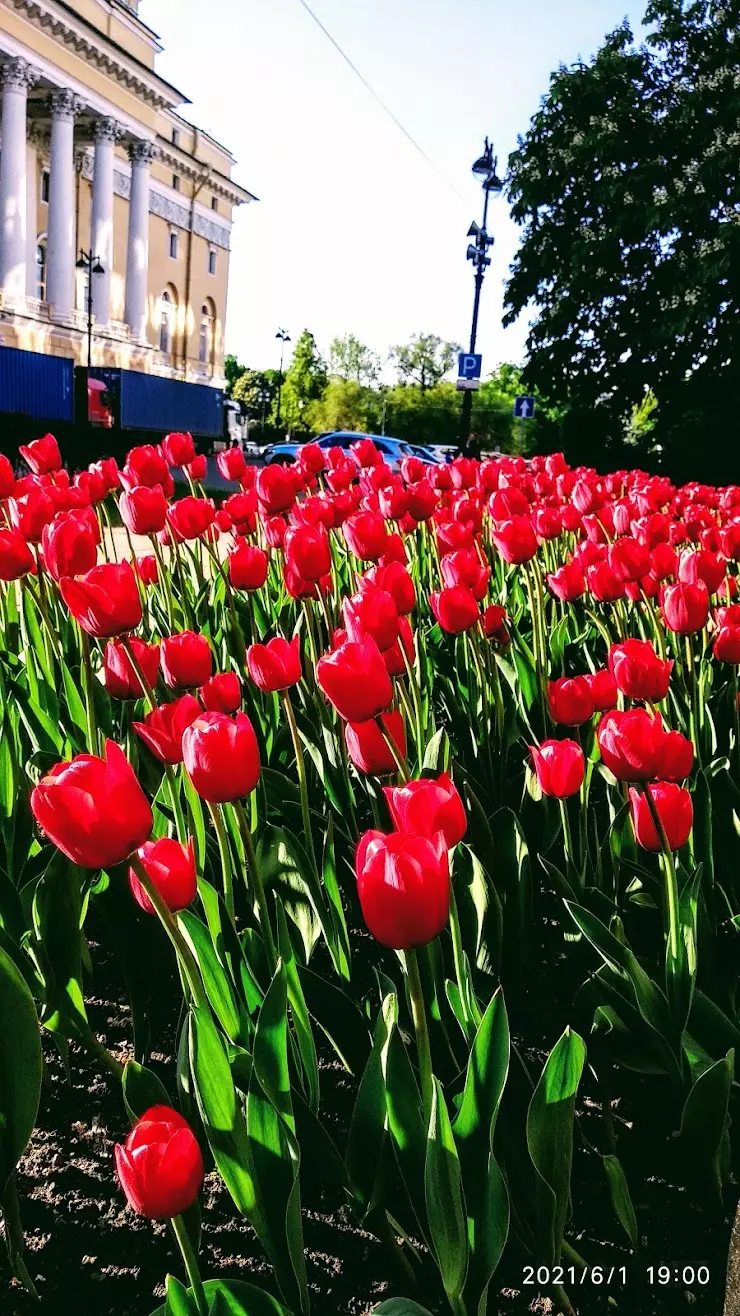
{"points": [[354, 232]]}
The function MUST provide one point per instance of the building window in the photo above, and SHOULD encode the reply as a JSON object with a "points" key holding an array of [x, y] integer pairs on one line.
{"points": [[45, 179], [41, 269], [175, 136], [173, 246], [214, 203], [207, 340], [167, 310], [176, 182], [211, 261]]}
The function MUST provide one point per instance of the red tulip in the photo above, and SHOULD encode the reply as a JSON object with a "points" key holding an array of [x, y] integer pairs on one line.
{"points": [[638, 671], [371, 612], [571, 701], [222, 757], [455, 609], [702, 565], [160, 1165], [394, 578], [145, 465], [674, 808], [366, 535], [685, 607], [464, 472], [465, 568], [312, 458], [515, 539], [70, 545], [675, 756], [178, 449], [247, 567], [275, 489], [163, 729], [494, 621], [105, 601], [355, 680], [560, 767], [146, 569], [16, 558], [630, 743], [30, 512], [275, 665], [42, 455], [629, 560], [197, 469], [231, 463], [121, 680], [367, 748], [171, 867], [727, 644], [307, 551], [393, 502], [222, 693], [427, 807], [403, 882], [93, 809], [144, 509], [7, 476], [453, 535], [393, 656], [603, 584], [603, 689], [187, 660], [421, 500], [663, 561], [568, 582], [189, 518]]}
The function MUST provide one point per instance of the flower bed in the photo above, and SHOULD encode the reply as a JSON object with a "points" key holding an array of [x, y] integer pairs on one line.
{"points": [[429, 781]]}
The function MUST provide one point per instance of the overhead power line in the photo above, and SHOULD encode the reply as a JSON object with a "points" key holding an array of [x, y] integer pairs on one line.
{"points": [[386, 108]]}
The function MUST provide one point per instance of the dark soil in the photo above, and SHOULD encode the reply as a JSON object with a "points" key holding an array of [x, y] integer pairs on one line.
{"points": [[88, 1253]]}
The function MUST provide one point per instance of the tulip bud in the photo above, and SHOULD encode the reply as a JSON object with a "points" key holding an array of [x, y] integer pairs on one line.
{"points": [[121, 679], [630, 743], [186, 660], [727, 644], [221, 756], [160, 1165], [603, 689], [403, 882], [16, 558], [178, 449], [231, 463], [685, 607], [515, 539], [355, 680], [427, 807], [560, 767], [222, 693], [93, 809], [455, 609], [275, 665], [675, 810], [163, 728], [105, 601], [638, 671], [568, 582], [189, 518], [571, 701], [367, 748], [170, 866], [247, 567], [143, 510], [42, 455]]}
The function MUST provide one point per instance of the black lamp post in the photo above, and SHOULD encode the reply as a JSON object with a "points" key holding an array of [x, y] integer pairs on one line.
{"points": [[93, 266], [484, 168], [284, 337]]}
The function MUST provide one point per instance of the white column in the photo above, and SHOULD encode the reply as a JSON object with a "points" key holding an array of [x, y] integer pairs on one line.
{"points": [[32, 230], [137, 262], [17, 77], [107, 133], [60, 278]]}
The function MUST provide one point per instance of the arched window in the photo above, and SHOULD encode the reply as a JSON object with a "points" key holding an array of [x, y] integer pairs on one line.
{"points": [[207, 339], [41, 268], [167, 320]]}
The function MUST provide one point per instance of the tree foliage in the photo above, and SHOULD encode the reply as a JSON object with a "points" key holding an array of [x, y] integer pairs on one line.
{"points": [[351, 360], [305, 382], [233, 371], [425, 360], [627, 186]]}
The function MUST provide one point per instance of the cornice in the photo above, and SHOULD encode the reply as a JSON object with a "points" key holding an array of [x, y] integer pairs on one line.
{"points": [[98, 51]]}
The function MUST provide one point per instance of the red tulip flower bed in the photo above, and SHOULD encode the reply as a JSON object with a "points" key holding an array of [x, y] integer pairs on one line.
{"points": [[431, 779]]}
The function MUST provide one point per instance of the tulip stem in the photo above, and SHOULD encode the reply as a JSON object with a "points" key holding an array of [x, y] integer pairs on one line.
{"points": [[92, 726], [302, 782], [398, 759], [671, 881], [169, 923], [14, 1237], [179, 1228], [411, 674], [216, 812], [163, 576], [567, 833], [182, 834], [259, 890], [418, 1013], [241, 648]]}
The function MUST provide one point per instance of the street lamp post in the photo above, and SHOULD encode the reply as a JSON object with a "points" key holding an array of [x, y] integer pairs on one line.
{"points": [[284, 337], [484, 168], [92, 264]]}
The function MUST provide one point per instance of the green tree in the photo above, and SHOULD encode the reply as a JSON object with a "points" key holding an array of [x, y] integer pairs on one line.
{"points": [[257, 392], [346, 405], [627, 186], [233, 370], [305, 382], [425, 360], [351, 360]]}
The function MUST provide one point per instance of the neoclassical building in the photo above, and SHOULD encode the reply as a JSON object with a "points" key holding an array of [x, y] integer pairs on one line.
{"points": [[95, 158]]}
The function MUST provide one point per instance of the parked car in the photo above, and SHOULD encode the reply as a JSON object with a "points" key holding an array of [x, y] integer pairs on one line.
{"points": [[443, 452], [393, 450]]}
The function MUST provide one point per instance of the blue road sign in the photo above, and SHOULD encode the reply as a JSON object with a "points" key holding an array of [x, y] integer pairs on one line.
{"points": [[469, 365], [523, 408]]}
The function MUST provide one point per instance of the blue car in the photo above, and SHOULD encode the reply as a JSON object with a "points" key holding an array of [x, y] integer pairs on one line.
{"points": [[393, 450]]}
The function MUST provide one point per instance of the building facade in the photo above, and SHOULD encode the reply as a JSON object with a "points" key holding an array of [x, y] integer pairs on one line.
{"points": [[95, 159]]}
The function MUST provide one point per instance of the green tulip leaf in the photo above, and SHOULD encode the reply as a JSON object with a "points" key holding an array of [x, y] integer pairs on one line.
{"points": [[400, 1307], [227, 1297], [20, 1067], [444, 1199], [141, 1090], [367, 1131], [703, 1136], [621, 1200], [550, 1140]]}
